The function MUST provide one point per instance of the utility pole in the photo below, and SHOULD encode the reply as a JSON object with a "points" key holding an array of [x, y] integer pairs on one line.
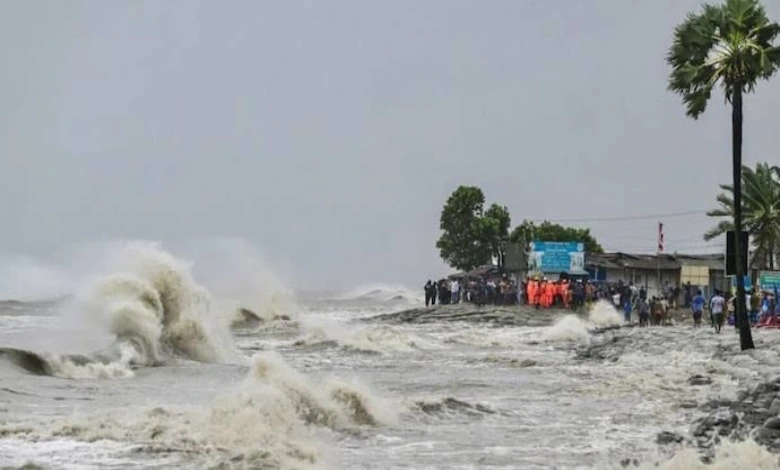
{"points": [[658, 254]]}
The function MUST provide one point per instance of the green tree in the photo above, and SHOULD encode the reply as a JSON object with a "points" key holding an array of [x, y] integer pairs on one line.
{"points": [[527, 231], [760, 210], [470, 235], [730, 45], [497, 222]]}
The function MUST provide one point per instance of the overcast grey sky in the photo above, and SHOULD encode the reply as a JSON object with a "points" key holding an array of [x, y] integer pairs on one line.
{"points": [[329, 133]]}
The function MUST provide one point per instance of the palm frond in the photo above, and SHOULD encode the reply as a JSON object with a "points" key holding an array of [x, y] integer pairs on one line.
{"points": [[718, 230], [760, 208], [730, 45]]}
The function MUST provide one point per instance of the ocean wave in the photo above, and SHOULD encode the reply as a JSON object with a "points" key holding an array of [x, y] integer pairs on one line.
{"points": [[333, 403], [382, 293], [20, 308], [246, 318], [379, 339], [267, 421], [451, 406], [574, 328], [153, 307], [241, 282]]}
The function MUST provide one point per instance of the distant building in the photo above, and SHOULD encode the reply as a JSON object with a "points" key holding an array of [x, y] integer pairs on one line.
{"points": [[706, 272]]}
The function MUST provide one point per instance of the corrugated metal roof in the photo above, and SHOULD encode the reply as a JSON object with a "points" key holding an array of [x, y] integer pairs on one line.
{"points": [[712, 261], [667, 262]]}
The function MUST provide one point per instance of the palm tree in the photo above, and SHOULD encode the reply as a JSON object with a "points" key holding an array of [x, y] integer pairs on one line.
{"points": [[731, 45], [760, 211]]}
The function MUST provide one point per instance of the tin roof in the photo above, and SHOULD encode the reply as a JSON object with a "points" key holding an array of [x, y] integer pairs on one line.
{"points": [[666, 262]]}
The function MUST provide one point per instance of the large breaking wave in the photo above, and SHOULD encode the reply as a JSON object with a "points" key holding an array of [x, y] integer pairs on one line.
{"points": [[149, 301]]}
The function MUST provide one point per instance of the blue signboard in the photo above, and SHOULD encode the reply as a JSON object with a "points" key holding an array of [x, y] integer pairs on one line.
{"points": [[552, 257], [769, 280]]}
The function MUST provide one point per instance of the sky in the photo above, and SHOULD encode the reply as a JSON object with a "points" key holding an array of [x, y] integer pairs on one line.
{"points": [[328, 135]]}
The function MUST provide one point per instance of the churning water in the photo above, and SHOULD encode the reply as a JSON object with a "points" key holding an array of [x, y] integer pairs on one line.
{"points": [[145, 368]]}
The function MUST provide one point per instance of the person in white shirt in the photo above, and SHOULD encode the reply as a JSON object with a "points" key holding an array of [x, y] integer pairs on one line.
{"points": [[455, 291], [718, 309]]}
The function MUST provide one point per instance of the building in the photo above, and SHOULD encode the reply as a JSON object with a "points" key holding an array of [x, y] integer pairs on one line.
{"points": [[707, 272]]}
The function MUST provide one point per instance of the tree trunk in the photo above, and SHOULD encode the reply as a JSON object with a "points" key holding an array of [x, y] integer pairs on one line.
{"points": [[740, 311]]}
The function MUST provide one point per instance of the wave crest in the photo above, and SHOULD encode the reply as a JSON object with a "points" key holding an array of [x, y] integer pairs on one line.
{"points": [[574, 328], [382, 293], [333, 404]]}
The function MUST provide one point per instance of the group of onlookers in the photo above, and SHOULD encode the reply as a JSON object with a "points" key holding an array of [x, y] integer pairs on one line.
{"points": [[575, 294], [538, 292], [481, 291]]}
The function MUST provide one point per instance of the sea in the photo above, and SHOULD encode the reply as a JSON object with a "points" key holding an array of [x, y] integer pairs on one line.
{"points": [[145, 367]]}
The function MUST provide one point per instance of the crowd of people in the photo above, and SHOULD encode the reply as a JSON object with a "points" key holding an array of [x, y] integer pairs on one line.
{"points": [[538, 292], [502, 290], [762, 308], [627, 298]]}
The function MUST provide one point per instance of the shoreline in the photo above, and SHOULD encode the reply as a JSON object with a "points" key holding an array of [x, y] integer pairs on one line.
{"points": [[512, 315]]}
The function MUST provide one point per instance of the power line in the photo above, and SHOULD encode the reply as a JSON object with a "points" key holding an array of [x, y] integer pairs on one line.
{"points": [[669, 249], [652, 238], [626, 218]]}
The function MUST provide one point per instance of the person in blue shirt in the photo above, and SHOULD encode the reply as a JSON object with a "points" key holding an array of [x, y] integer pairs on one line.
{"points": [[627, 307], [697, 306]]}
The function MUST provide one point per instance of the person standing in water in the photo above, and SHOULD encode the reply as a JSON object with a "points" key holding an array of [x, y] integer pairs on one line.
{"points": [[718, 309], [697, 306]]}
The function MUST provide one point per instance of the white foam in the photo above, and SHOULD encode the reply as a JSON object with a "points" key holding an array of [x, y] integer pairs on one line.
{"points": [[66, 368], [268, 420], [335, 403], [149, 302], [487, 337], [604, 314], [573, 328], [373, 338], [729, 456], [568, 328]]}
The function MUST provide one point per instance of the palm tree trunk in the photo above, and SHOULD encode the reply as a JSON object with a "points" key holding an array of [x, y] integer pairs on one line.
{"points": [[745, 337]]}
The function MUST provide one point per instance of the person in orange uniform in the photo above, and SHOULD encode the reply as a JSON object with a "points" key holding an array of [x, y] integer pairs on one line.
{"points": [[539, 293], [549, 292]]}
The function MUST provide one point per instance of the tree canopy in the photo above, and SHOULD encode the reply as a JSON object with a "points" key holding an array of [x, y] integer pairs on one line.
{"points": [[528, 231], [471, 236], [760, 209], [730, 45]]}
